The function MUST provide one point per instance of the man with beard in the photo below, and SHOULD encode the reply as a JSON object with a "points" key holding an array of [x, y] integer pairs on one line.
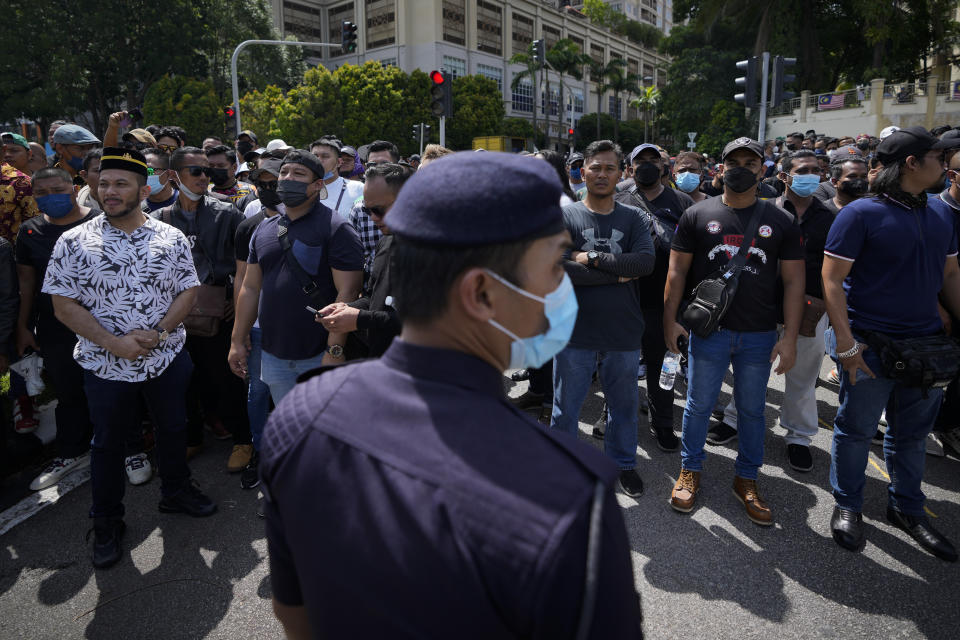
{"points": [[223, 169], [123, 283]]}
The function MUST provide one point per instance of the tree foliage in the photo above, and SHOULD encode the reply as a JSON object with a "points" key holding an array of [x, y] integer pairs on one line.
{"points": [[185, 102], [604, 15], [478, 110]]}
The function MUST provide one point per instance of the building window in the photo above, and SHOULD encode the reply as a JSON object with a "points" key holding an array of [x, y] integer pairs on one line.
{"points": [[336, 16], [389, 62], [494, 73], [550, 35], [301, 20], [381, 23], [454, 21], [615, 107], [456, 67], [554, 101], [522, 99], [575, 104], [597, 55], [522, 33], [489, 28], [577, 41]]}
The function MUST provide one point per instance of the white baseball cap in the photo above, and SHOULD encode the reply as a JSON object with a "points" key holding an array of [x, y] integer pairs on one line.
{"points": [[277, 143]]}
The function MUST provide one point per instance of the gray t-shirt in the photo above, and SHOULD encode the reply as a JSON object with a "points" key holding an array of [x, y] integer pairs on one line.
{"points": [[610, 317]]}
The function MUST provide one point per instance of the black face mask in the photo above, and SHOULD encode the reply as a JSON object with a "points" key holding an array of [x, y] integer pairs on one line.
{"points": [[791, 146], [269, 198], [218, 176], [739, 179], [854, 188], [243, 148], [293, 193], [646, 174]]}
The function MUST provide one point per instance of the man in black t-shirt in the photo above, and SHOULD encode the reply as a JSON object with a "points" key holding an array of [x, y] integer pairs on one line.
{"points": [[59, 212], [664, 206], [709, 235]]}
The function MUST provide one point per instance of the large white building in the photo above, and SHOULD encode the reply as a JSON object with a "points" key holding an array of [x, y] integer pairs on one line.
{"points": [[656, 13], [475, 37]]}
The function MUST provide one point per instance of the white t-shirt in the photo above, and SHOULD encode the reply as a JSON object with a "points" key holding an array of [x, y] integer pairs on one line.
{"points": [[342, 201]]}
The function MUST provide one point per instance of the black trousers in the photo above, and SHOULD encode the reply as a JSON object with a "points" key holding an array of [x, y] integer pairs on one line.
{"points": [[74, 428], [654, 348], [214, 390], [541, 381]]}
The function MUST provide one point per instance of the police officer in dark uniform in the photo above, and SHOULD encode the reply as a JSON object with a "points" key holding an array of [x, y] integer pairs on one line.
{"points": [[405, 496]]}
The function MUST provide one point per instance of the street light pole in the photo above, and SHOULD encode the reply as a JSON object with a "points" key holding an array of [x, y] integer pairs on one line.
{"points": [[244, 44]]}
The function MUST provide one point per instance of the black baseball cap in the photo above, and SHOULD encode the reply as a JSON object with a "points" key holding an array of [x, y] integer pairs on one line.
{"points": [[911, 141], [307, 159], [742, 143]]}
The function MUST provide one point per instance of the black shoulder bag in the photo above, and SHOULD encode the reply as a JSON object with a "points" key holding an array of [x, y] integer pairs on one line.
{"points": [[928, 362], [307, 283], [712, 297]]}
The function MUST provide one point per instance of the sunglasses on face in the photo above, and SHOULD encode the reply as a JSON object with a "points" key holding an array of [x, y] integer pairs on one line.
{"points": [[197, 171], [374, 211], [167, 148]]}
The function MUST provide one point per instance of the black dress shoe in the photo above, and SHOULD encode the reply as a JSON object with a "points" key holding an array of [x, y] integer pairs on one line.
{"points": [[922, 531], [847, 527], [189, 500], [528, 400], [799, 457], [666, 438], [106, 541], [721, 433], [520, 375], [630, 483]]}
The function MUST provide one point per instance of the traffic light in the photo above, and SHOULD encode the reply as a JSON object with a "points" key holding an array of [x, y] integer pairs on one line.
{"points": [[230, 117], [441, 96], [570, 131], [348, 32], [416, 132], [748, 82], [539, 52], [780, 78]]}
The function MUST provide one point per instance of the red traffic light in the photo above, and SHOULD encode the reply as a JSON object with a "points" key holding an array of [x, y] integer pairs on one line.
{"points": [[229, 112], [437, 77], [570, 131]]}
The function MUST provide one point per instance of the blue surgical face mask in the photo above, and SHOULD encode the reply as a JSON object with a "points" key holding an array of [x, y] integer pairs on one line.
{"points": [[804, 186], [575, 174], [328, 175], [560, 307], [687, 181], [154, 183], [75, 163], [55, 205]]}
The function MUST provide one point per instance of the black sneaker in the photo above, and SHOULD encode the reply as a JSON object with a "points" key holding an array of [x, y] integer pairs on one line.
{"points": [[630, 483], [250, 476], [600, 426], [721, 433], [189, 500], [520, 375], [799, 457], [106, 541], [666, 439], [528, 400]]}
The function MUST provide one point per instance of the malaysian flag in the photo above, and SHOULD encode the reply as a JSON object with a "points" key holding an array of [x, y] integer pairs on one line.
{"points": [[830, 101]]}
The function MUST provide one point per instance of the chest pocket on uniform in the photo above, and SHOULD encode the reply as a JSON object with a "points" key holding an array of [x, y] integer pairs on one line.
{"points": [[308, 256]]}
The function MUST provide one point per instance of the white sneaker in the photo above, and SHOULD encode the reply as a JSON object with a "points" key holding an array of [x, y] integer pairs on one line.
{"points": [[138, 468], [58, 468], [934, 448], [883, 418]]}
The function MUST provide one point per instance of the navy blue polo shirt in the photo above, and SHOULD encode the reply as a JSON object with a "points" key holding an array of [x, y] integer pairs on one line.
{"points": [[321, 241], [407, 498], [898, 257]]}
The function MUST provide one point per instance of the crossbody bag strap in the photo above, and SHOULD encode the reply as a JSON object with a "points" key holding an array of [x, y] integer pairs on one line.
{"points": [[736, 264], [307, 283]]}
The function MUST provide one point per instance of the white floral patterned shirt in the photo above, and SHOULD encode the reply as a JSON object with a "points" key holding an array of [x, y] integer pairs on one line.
{"points": [[127, 282]]}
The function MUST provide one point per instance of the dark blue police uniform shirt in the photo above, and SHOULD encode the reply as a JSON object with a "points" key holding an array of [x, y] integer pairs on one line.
{"points": [[321, 241], [407, 498], [898, 257]]}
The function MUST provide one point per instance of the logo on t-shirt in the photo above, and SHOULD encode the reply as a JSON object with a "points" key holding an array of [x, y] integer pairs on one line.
{"points": [[765, 231], [714, 227], [604, 245], [731, 245]]}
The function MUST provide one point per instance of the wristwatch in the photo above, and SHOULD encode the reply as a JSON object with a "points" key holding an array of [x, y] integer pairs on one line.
{"points": [[335, 351], [592, 257], [162, 335]]}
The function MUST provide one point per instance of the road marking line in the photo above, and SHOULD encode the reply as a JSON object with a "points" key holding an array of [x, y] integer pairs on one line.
{"points": [[39, 500], [828, 426]]}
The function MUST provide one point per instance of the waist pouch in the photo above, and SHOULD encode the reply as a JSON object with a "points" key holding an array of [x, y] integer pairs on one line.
{"points": [[928, 362], [813, 310], [210, 309]]}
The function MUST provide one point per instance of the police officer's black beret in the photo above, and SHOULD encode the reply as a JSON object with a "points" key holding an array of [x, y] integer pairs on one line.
{"points": [[473, 199]]}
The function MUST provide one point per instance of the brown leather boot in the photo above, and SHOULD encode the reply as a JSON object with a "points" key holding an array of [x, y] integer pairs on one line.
{"points": [[685, 491], [757, 509]]}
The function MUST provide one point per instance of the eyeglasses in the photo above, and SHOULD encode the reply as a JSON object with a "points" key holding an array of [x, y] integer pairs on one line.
{"points": [[167, 148], [374, 211], [197, 171]]}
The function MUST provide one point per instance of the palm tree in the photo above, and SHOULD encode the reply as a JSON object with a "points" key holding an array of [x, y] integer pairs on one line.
{"points": [[566, 59], [599, 72], [647, 102], [532, 66], [620, 81]]}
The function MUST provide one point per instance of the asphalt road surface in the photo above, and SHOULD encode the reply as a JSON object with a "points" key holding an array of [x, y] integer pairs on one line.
{"points": [[710, 574]]}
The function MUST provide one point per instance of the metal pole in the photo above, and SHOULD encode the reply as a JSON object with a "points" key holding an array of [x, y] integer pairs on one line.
{"points": [[765, 68], [443, 131], [421, 138], [236, 54]]}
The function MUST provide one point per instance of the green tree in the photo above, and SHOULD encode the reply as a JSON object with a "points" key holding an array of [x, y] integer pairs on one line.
{"points": [[517, 128], [185, 102], [566, 59], [647, 102], [531, 65], [311, 109], [599, 72], [259, 109], [373, 102], [726, 123], [594, 126], [478, 111]]}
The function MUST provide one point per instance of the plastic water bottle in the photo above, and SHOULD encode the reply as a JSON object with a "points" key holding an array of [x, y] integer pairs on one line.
{"points": [[668, 372]]}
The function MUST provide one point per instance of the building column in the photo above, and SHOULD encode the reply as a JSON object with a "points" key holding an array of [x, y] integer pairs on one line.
{"points": [[804, 101], [876, 103], [931, 93]]}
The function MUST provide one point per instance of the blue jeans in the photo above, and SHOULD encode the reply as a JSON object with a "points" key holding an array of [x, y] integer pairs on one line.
{"points": [[258, 393], [281, 375], [910, 417], [114, 408], [572, 375], [708, 360]]}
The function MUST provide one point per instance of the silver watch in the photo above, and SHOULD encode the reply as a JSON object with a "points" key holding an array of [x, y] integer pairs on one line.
{"points": [[335, 350]]}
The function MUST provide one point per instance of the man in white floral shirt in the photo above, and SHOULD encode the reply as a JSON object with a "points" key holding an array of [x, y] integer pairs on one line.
{"points": [[123, 282]]}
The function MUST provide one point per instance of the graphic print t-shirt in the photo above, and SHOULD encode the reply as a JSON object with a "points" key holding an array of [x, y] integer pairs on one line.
{"points": [[713, 233]]}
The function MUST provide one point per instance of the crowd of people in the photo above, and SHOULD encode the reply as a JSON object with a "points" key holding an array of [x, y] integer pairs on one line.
{"points": [[173, 290]]}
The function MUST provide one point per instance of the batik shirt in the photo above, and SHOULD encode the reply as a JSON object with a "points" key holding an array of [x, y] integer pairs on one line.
{"points": [[126, 282], [16, 201]]}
